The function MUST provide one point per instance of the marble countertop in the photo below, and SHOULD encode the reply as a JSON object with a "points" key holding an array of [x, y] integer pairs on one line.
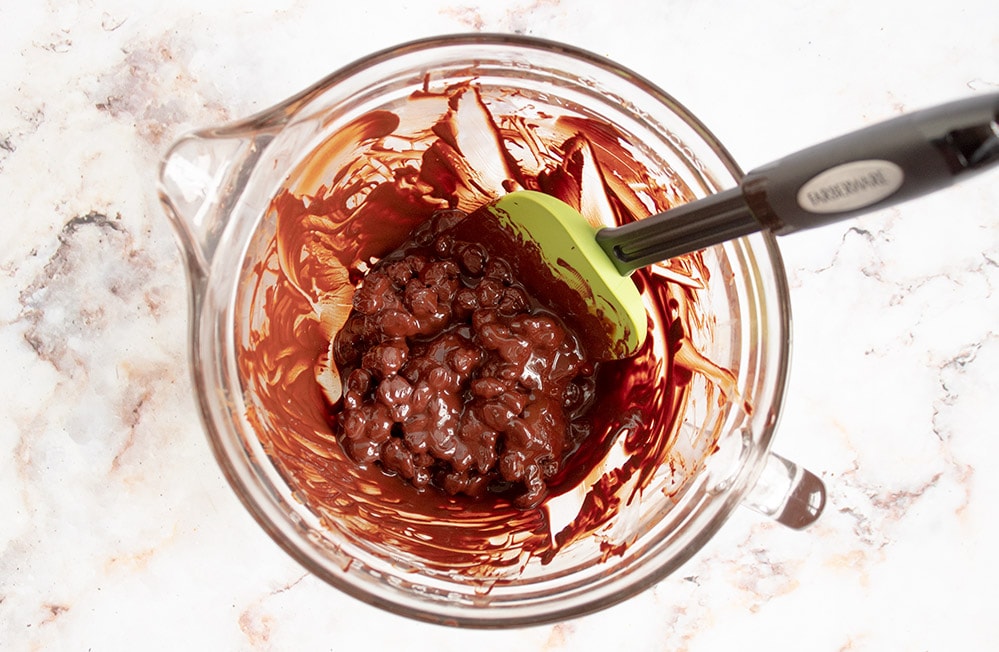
{"points": [[117, 530]]}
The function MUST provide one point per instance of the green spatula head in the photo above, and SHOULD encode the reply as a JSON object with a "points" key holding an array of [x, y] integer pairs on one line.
{"points": [[559, 251]]}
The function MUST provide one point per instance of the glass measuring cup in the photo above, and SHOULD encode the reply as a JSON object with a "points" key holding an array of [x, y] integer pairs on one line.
{"points": [[218, 188]]}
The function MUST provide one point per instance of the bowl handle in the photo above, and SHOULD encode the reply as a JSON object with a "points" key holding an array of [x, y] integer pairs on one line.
{"points": [[788, 493], [201, 179]]}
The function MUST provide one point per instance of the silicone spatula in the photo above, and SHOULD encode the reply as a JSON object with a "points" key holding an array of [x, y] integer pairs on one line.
{"points": [[863, 171]]}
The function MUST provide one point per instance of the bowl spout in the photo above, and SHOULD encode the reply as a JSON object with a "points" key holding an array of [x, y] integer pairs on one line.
{"points": [[200, 181]]}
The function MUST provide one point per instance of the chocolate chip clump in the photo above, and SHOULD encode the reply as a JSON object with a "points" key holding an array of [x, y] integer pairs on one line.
{"points": [[455, 377]]}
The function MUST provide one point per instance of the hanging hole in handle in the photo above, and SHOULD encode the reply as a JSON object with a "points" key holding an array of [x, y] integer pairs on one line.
{"points": [[789, 494]]}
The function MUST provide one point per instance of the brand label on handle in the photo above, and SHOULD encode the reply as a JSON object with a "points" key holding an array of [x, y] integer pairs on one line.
{"points": [[850, 186]]}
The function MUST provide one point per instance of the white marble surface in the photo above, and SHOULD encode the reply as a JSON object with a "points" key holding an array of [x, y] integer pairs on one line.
{"points": [[117, 531]]}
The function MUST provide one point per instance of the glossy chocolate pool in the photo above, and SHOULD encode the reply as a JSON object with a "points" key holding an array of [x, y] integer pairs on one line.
{"points": [[459, 379]]}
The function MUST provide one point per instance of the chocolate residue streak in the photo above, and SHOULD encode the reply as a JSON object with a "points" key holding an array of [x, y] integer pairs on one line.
{"points": [[358, 197]]}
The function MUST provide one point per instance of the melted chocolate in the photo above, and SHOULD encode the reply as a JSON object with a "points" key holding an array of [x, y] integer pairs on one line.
{"points": [[308, 366], [457, 378]]}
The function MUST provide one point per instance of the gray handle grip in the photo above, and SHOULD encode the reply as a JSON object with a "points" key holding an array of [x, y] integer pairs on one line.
{"points": [[875, 167], [862, 171]]}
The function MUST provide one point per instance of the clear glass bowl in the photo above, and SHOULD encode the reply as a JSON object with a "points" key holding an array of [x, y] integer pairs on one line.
{"points": [[217, 185]]}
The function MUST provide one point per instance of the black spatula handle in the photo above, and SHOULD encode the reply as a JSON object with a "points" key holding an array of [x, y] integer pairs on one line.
{"points": [[875, 167], [862, 171]]}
